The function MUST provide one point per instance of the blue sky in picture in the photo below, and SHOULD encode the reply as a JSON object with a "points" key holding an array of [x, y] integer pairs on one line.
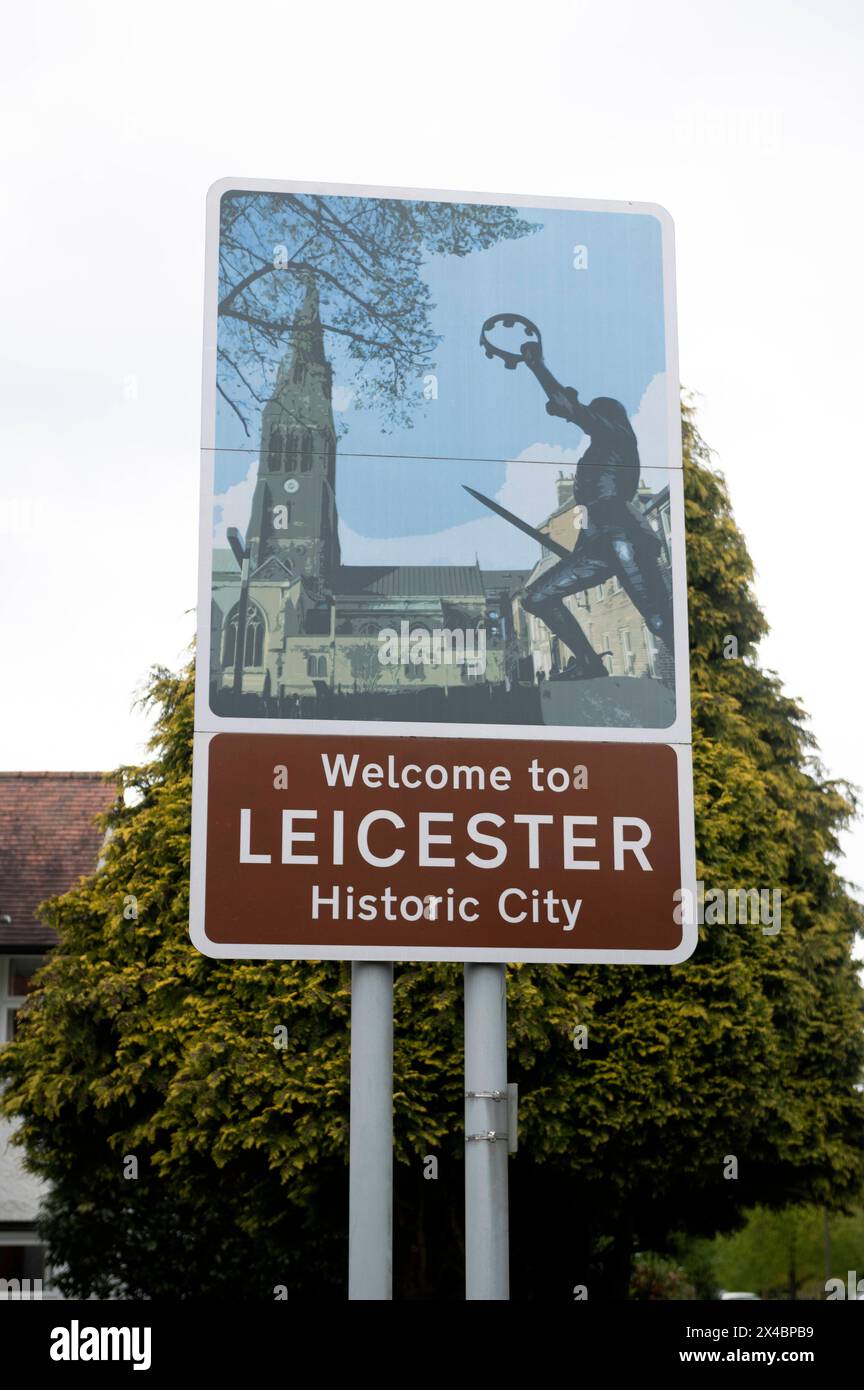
{"points": [[602, 329]]}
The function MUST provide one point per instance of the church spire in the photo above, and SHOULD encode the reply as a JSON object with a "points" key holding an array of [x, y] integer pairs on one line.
{"points": [[307, 335], [293, 510]]}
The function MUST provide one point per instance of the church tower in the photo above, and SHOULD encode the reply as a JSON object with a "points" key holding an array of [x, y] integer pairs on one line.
{"points": [[293, 516]]}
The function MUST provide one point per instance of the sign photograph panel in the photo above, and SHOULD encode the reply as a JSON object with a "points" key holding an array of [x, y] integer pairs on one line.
{"points": [[442, 467]]}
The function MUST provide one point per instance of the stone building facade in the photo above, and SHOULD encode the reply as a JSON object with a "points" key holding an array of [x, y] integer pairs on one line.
{"points": [[609, 620]]}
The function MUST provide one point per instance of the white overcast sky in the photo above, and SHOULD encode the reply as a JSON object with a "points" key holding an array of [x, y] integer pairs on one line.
{"points": [[743, 119]]}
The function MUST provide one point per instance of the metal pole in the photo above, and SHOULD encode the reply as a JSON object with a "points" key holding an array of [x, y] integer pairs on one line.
{"points": [[370, 1184], [240, 649], [487, 1260]]}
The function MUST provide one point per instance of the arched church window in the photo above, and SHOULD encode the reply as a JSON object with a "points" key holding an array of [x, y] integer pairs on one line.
{"points": [[277, 444], [306, 456], [229, 642], [253, 644], [254, 653], [292, 449], [316, 667]]}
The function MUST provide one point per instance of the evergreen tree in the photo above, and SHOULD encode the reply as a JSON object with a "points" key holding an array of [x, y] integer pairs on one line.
{"points": [[134, 1045]]}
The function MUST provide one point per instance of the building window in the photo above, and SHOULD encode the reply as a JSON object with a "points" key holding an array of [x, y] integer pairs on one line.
{"points": [[369, 629], [627, 651], [415, 668], [277, 444], [316, 667], [253, 646], [254, 652], [292, 450], [600, 590], [608, 660], [666, 522], [306, 454], [650, 650], [614, 585], [22, 1258], [16, 980]]}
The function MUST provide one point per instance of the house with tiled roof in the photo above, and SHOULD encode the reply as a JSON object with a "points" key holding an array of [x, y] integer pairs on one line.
{"points": [[48, 840]]}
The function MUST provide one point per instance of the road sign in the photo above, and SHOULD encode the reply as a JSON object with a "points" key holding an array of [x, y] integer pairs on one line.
{"points": [[441, 527], [322, 846]]}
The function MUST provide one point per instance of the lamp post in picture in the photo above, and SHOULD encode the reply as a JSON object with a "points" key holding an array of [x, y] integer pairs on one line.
{"points": [[241, 555]]}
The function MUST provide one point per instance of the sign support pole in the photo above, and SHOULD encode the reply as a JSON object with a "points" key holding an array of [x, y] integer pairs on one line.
{"points": [[487, 1259], [370, 1183]]}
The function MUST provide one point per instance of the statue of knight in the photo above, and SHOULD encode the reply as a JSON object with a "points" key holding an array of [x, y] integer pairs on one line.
{"points": [[615, 539]]}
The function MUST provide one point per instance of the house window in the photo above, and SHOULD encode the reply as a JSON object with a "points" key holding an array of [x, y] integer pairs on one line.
{"points": [[627, 651], [16, 977], [650, 650], [316, 667], [22, 1258], [253, 646]]}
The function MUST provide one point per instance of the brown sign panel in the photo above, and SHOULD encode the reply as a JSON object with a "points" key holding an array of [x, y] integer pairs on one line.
{"points": [[361, 847]]}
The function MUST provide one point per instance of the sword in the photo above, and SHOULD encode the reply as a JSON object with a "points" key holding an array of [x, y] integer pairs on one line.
{"points": [[529, 530]]}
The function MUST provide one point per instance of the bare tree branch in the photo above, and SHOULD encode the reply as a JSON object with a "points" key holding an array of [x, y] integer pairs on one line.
{"points": [[235, 408]]}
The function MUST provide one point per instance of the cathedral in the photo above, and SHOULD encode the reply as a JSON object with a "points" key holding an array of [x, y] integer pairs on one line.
{"points": [[314, 628]]}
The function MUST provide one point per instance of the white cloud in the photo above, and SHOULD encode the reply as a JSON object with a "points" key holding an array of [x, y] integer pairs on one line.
{"points": [[650, 424], [235, 504], [528, 490], [342, 397]]}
